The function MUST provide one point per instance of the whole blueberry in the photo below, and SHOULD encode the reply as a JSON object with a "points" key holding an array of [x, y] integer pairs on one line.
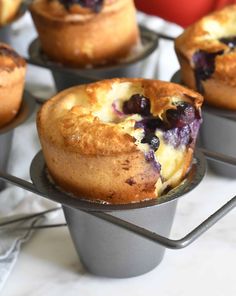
{"points": [[172, 116], [187, 111], [183, 115], [137, 104], [152, 140]]}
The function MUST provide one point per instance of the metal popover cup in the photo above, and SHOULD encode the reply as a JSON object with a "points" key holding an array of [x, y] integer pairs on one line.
{"points": [[6, 132], [6, 31], [66, 77], [217, 133], [107, 250], [104, 248], [5, 148]]}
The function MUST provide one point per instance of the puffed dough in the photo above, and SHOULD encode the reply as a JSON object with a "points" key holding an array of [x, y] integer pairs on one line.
{"points": [[220, 88], [95, 151], [80, 37], [12, 78]]}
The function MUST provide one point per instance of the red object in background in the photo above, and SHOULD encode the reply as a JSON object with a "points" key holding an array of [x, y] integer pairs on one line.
{"points": [[181, 12]]}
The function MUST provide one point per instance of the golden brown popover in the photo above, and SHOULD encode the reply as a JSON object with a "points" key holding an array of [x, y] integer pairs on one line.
{"points": [[207, 56], [84, 33], [12, 78], [8, 10], [120, 140]]}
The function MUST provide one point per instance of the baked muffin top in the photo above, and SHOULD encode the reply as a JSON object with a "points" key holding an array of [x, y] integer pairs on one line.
{"points": [[111, 116], [209, 33]]}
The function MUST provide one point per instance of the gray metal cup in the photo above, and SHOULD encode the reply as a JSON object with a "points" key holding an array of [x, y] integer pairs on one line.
{"points": [[218, 134], [107, 250], [5, 34], [5, 147], [65, 77]]}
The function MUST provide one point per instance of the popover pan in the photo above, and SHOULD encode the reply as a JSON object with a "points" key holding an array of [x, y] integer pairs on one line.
{"points": [[122, 240]]}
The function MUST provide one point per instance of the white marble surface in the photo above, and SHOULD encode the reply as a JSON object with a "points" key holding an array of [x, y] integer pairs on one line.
{"points": [[49, 265]]}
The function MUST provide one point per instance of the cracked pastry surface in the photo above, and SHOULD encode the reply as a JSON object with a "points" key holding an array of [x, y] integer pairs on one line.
{"points": [[120, 140], [12, 76], [207, 56], [86, 33]]}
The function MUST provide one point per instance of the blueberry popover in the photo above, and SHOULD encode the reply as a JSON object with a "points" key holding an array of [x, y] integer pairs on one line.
{"points": [[80, 33], [8, 10], [120, 140], [207, 56], [12, 78]]}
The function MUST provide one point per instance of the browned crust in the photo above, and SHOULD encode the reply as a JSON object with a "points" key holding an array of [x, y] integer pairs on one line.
{"points": [[117, 178], [12, 76], [79, 39], [202, 36], [71, 123], [11, 89], [9, 58]]}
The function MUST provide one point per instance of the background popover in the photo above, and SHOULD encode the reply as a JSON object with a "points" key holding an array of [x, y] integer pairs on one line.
{"points": [[8, 10], [120, 140], [207, 56], [89, 33], [12, 78]]}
